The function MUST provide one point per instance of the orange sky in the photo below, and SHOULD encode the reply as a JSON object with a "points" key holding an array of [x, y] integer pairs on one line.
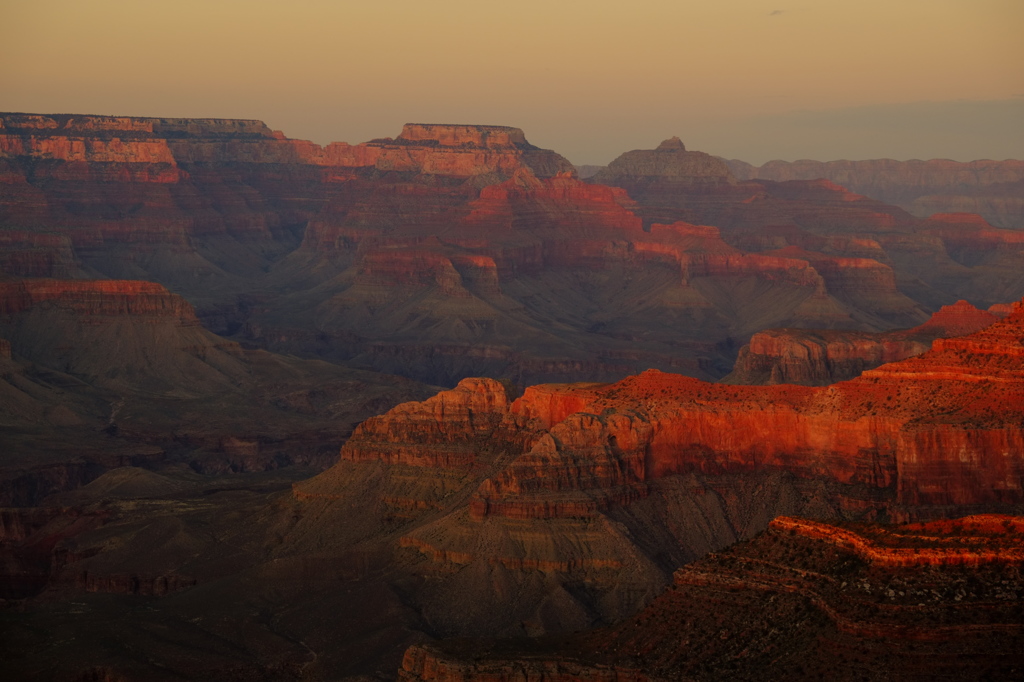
{"points": [[752, 79]]}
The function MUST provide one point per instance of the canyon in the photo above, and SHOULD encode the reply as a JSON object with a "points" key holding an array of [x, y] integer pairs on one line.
{"points": [[278, 410], [454, 251]]}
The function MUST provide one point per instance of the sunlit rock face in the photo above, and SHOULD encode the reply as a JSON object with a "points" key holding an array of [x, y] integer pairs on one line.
{"points": [[820, 357], [613, 483]]}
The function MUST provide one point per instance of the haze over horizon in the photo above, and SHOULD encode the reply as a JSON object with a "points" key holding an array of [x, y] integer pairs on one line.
{"points": [[748, 79]]}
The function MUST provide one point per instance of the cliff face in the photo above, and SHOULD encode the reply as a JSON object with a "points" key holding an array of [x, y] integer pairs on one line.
{"points": [[557, 245], [885, 431], [435, 149], [97, 298], [990, 188], [445, 431], [924, 601], [821, 357], [615, 483], [765, 212], [155, 198]]}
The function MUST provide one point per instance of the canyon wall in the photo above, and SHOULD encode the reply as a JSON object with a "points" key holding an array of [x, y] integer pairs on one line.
{"points": [[926, 606], [821, 357], [379, 254]]}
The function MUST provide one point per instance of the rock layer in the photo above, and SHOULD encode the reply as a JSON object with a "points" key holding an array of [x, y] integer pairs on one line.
{"points": [[821, 357], [613, 484], [911, 602]]}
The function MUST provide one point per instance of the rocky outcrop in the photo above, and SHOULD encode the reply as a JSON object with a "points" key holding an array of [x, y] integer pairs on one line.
{"points": [[30, 254], [881, 430], [445, 431], [820, 357], [924, 601], [669, 162], [970, 541], [970, 240], [991, 188], [817, 357], [96, 298]]}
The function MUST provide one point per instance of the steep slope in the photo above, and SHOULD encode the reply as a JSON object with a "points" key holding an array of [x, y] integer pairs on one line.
{"points": [[804, 600], [121, 371], [820, 357]]}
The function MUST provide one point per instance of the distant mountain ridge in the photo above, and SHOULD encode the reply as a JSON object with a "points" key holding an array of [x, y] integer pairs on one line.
{"points": [[992, 189]]}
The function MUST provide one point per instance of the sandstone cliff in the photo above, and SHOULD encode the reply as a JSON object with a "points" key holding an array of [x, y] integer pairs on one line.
{"points": [[614, 484], [821, 357]]}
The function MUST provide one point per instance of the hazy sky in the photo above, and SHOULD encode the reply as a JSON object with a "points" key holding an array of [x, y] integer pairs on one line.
{"points": [[750, 79]]}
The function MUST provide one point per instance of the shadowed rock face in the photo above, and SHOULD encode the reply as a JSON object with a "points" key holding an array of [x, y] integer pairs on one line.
{"points": [[99, 374], [821, 357], [802, 600]]}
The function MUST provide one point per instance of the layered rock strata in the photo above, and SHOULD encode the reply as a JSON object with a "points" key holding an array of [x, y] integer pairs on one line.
{"points": [[614, 484], [932, 600], [820, 357]]}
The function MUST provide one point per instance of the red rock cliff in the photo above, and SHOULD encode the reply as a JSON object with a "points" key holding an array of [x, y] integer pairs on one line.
{"points": [[820, 357], [444, 431], [96, 297]]}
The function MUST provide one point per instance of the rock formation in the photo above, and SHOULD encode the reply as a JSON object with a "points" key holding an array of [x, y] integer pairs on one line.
{"points": [[670, 162], [379, 254], [820, 357], [148, 458], [805, 599], [614, 484], [99, 373]]}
